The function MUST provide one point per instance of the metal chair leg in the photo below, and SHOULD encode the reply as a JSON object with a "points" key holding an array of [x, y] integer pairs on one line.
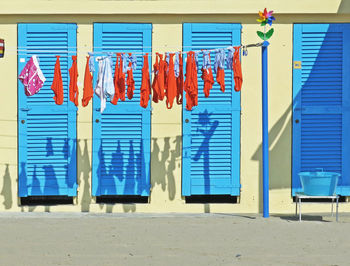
{"points": [[332, 207], [299, 209], [336, 215]]}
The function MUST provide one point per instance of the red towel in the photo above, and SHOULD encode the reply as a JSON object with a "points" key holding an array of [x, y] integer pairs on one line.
{"points": [[73, 82], [88, 90], [57, 84]]}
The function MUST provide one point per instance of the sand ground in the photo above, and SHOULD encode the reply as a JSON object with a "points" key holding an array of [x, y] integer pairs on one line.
{"points": [[172, 239]]}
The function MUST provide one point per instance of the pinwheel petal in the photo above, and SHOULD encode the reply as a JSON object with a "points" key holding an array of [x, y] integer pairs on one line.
{"points": [[265, 12]]}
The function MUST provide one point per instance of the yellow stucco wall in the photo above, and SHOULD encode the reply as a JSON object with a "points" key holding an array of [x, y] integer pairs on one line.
{"points": [[166, 124]]}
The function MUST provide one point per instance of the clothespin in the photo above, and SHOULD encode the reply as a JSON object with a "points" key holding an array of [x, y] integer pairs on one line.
{"points": [[244, 50]]}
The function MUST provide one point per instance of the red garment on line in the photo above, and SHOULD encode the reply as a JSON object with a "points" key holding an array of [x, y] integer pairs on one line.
{"points": [[130, 82], [191, 82], [180, 82], [57, 84], [166, 73], [237, 69], [155, 84], [88, 90], [161, 76], [220, 78], [171, 88], [73, 82], [145, 83], [121, 79], [115, 81], [207, 77]]}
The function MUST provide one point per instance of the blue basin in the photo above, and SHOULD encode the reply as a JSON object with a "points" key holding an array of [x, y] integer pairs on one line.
{"points": [[319, 183]]}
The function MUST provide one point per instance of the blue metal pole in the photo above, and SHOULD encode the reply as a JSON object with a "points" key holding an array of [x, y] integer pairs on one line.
{"points": [[265, 132]]}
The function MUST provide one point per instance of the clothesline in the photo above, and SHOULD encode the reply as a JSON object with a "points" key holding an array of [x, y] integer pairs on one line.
{"points": [[124, 47], [138, 54], [169, 81]]}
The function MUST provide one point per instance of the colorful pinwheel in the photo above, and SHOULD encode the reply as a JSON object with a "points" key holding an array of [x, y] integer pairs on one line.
{"points": [[265, 18]]}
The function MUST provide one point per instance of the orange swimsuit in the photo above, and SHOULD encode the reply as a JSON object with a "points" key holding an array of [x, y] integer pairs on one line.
{"points": [[88, 90], [130, 82], [166, 73], [145, 83], [121, 79], [220, 78], [171, 88], [180, 82], [57, 84], [155, 84], [207, 77], [116, 81], [237, 70], [191, 82], [161, 76], [73, 82]]}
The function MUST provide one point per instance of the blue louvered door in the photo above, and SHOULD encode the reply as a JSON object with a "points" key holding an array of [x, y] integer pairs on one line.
{"points": [[211, 131], [46, 131], [321, 102], [121, 134]]}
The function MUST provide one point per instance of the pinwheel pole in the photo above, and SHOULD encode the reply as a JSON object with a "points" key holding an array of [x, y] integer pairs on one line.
{"points": [[265, 18], [265, 131]]}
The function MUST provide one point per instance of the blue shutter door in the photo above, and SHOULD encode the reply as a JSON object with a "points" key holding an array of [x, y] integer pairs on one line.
{"points": [[321, 102], [46, 131], [211, 131], [121, 138]]}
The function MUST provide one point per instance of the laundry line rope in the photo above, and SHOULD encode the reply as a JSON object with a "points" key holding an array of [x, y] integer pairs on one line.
{"points": [[66, 53]]}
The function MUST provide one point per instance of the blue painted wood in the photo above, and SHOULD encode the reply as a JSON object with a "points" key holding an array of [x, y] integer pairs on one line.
{"points": [[47, 138], [211, 135], [122, 137], [321, 102]]}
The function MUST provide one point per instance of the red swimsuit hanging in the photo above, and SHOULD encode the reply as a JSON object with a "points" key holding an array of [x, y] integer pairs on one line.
{"points": [[207, 74], [155, 84], [171, 83], [191, 82], [88, 90], [145, 83], [219, 68], [179, 73], [161, 77], [119, 78], [57, 84], [73, 81], [130, 80], [237, 70]]}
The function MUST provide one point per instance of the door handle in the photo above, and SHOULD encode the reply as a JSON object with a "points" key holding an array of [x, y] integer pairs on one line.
{"points": [[187, 120], [297, 121]]}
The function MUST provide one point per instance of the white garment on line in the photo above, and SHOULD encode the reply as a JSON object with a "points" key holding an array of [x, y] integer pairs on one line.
{"points": [[104, 86]]}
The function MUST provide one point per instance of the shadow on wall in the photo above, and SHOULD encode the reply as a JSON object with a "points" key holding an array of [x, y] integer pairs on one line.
{"points": [[163, 172], [280, 139], [6, 191], [84, 168]]}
